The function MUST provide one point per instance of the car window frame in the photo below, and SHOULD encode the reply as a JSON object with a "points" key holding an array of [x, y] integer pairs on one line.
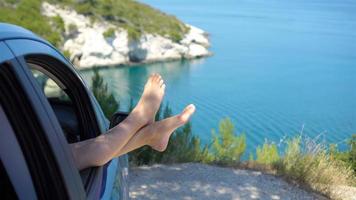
{"points": [[24, 49], [48, 120], [11, 155]]}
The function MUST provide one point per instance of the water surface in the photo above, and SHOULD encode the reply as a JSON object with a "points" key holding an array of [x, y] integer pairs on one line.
{"points": [[278, 67]]}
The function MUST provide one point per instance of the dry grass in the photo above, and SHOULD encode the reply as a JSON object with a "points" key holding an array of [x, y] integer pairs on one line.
{"points": [[308, 162]]}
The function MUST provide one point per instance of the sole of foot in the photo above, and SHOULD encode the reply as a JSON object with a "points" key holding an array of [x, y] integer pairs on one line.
{"points": [[162, 130]]}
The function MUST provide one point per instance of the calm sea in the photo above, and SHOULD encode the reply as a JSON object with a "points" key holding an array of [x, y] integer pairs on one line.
{"points": [[279, 67]]}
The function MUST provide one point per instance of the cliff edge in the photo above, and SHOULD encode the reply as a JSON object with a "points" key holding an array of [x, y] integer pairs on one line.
{"points": [[89, 42]]}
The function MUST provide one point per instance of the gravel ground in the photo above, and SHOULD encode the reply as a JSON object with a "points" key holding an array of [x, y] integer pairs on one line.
{"points": [[198, 181]]}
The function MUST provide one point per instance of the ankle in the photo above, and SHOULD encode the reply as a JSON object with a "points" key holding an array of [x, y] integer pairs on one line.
{"points": [[137, 116]]}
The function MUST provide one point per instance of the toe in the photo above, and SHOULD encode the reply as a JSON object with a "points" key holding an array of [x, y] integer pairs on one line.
{"points": [[151, 78], [158, 78], [187, 112]]}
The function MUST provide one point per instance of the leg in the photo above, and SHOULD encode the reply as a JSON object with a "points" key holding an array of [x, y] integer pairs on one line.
{"points": [[99, 150], [157, 134]]}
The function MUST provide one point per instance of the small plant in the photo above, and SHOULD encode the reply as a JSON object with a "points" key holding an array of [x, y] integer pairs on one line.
{"points": [[72, 29], [267, 154], [58, 23], [66, 54], [308, 162], [348, 157], [109, 33], [105, 98], [227, 147]]}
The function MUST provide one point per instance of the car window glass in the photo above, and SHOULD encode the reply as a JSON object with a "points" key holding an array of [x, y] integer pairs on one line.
{"points": [[49, 87]]}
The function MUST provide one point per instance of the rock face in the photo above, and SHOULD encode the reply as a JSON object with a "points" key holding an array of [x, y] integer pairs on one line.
{"points": [[88, 47]]}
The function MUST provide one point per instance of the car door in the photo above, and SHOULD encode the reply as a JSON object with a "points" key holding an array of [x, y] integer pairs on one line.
{"points": [[99, 181], [32, 157]]}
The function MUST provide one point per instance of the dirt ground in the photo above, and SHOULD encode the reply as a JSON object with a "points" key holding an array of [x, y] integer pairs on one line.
{"points": [[199, 181]]}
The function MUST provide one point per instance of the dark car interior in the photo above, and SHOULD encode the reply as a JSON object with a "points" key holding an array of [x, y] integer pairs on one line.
{"points": [[66, 111], [67, 118], [61, 103]]}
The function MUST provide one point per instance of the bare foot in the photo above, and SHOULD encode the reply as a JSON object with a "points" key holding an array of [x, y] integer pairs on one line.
{"points": [[151, 99], [162, 130]]}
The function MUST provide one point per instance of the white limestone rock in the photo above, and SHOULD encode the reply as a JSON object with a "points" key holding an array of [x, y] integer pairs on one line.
{"points": [[85, 42]]}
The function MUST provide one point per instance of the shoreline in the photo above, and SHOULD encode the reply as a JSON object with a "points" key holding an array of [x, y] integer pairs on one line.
{"points": [[134, 64]]}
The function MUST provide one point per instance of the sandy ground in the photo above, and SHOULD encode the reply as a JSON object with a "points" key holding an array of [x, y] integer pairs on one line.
{"points": [[198, 181]]}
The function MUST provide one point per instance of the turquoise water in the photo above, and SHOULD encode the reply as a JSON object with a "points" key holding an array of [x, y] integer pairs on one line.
{"points": [[279, 67]]}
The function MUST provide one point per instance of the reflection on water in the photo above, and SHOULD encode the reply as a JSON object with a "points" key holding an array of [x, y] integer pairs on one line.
{"points": [[127, 82]]}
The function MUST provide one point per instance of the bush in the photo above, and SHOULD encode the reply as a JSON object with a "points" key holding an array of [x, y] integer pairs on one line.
{"points": [[109, 33], [66, 54], [106, 99], [72, 29], [227, 147], [308, 162], [58, 24], [267, 154], [348, 157]]}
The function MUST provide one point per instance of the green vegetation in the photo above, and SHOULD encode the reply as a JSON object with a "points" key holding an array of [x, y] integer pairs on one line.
{"points": [[109, 33], [72, 29], [309, 163], [105, 98], [26, 13], [66, 54], [227, 147], [131, 15], [348, 157], [267, 154]]}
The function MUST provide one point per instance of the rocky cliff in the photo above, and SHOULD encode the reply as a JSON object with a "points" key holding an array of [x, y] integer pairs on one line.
{"points": [[88, 43]]}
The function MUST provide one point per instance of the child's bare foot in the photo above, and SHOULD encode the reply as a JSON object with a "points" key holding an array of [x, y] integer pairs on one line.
{"points": [[151, 99], [162, 130]]}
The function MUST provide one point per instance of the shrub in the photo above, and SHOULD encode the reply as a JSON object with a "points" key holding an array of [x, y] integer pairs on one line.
{"points": [[348, 157], [105, 98], [66, 54], [109, 33], [267, 154], [227, 147], [72, 29], [308, 162], [58, 24]]}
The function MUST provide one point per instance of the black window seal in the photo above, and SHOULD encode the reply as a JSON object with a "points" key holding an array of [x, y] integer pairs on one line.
{"points": [[80, 98], [39, 157]]}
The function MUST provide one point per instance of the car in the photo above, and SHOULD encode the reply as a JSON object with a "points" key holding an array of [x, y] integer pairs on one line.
{"points": [[45, 105]]}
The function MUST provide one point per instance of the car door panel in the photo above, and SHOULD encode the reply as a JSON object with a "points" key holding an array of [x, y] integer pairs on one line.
{"points": [[52, 130], [10, 151]]}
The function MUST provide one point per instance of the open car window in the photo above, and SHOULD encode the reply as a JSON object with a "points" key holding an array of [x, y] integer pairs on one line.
{"points": [[61, 103], [71, 104], [49, 86]]}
